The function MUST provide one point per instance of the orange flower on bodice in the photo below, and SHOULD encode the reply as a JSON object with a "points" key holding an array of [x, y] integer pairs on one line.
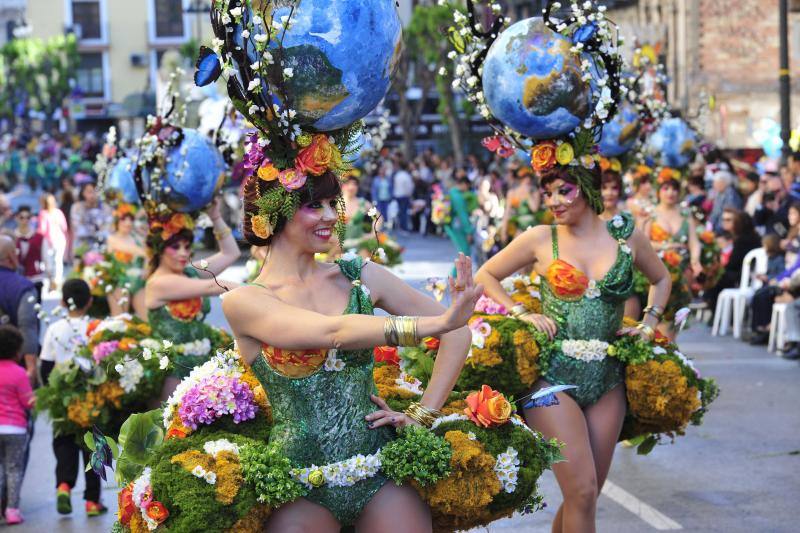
{"points": [[566, 281], [707, 237], [672, 258], [294, 363], [658, 234], [185, 310], [123, 257]]}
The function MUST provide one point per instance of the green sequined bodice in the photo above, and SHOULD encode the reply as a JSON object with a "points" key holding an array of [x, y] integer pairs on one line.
{"points": [[319, 419], [597, 315], [181, 322]]}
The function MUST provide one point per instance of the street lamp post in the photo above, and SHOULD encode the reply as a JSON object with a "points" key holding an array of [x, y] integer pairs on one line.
{"points": [[198, 8], [784, 78]]}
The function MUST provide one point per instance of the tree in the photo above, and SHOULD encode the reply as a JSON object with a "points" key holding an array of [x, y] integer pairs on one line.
{"points": [[426, 52], [36, 75]]}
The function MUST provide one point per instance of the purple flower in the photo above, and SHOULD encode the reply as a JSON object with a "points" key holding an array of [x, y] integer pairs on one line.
{"points": [[214, 397], [103, 350], [490, 307], [255, 154]]}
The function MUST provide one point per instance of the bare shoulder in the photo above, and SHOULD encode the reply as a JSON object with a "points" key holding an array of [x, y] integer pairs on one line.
{"points": [[537, 235], [242, 297]]}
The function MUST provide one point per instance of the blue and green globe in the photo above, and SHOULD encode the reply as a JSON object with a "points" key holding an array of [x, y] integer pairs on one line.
{"points": [[532, 82], [674, 143], [342, 54], [195, 171], [620, 134]]}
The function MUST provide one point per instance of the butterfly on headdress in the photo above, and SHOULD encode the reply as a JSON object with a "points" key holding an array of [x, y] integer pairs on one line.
{"points": [[499, 145], [208, 66], [545, 397], [104, 450]]}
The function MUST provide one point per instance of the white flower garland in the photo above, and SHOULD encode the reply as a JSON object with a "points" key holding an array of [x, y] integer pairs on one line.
{"points": [[198, 348], [130, 372], [344, 473], [333, 363], [409, 383], [200, 472], [455, 417], [585, 350], [215, 447], [507, 469]]}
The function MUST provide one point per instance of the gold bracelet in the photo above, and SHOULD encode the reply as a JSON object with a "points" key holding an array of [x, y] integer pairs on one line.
{"points": [[221, 234], [390, 331], [654, 311], [647, 330], [407, 331], [424, 415]]}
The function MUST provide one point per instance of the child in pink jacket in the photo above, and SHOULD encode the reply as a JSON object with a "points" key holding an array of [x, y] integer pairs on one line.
{"points": [[16, 399]]}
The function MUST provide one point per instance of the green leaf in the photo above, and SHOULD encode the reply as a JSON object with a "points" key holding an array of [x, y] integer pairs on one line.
{"points": [[127, 470], [140, 434], [114, 447], [648, 445], [98, 377], [457, 40], [88, 439]]}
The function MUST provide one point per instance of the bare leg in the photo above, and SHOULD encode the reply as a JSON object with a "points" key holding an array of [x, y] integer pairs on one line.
{"points": [[139, 308], [395, 510], [605, 419], [302, 516], [577, 476]]}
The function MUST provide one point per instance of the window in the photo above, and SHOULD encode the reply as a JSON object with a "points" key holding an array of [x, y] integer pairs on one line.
{"points": [[86, 16], [169, 18], [89, 76]]}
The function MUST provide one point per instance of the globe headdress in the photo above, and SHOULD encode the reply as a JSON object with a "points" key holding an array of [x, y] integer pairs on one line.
{"points": [[282, 75], [543, 84]]}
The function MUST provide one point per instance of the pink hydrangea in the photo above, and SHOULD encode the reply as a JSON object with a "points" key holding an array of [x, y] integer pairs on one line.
{"points": [[489, 307], [214, 397], [104, 349], [92, 258]]}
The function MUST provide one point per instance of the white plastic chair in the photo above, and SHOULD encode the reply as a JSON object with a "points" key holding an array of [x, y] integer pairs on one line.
{"points": [[778, 328], [732, 303]]}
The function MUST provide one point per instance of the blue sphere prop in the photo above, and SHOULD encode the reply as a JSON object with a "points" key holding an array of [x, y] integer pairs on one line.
{"points": [[675, 142], [342, 54], [195, 172], [533, 83], [120, 181], [620, 134]]}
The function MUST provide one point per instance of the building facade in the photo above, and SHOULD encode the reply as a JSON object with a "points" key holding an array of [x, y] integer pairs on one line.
{"points": [[122, 46]]}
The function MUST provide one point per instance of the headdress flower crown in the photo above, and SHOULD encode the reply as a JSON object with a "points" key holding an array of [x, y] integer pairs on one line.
{"points": [[595, 42], [281, 148]]}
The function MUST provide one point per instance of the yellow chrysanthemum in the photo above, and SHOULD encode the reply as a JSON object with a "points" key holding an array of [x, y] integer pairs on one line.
{"points": [[659, 396], [268, 172], [462, 499], [489, 355], [526, 351], [261, 226], [254, 521], [385, 380]]}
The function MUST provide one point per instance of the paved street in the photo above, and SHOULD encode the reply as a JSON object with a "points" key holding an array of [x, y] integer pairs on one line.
{"points": [[738, 472]]}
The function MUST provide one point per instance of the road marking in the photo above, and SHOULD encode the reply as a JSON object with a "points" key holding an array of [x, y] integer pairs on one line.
{"points": [[633, 504]]}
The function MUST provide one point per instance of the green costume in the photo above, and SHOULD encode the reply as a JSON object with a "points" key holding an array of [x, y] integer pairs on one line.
{"points": [[460, 227], [595, 315], [319, 417], [181, 322]]}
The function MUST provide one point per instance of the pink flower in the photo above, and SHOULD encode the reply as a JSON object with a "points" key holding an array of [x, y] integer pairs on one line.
{"points": [[292, 179], [92, 258], [103, 350], [488, 306]]}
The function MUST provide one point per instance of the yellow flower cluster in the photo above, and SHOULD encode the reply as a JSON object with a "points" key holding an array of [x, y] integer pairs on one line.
{"points": [[385, 377], [526, 351], [489, 355], [659, 396], [462, 498], [137, 523], [84, 411], [253, 521], [225, 465], [454, 407]]}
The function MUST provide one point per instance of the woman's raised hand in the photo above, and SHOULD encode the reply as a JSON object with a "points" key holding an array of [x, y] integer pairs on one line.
{"points": [[464, 294]]}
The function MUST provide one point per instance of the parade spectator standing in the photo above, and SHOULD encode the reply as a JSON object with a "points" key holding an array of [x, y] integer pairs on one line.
{"points": [[16, 400], [29, 249], [727, 197], [6, 215], [61, 342], [403, 187], [17, 304], [381, 192], [89, 219], [53, 228]]}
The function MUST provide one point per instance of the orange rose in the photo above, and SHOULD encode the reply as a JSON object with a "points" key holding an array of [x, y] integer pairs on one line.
{"points": [[126, 505], [387, 354], [707, 237], [156, 511], [566, 281], [126, 343], [488, 407], [185, 310], [543, 155], [605, 164], [175, 224], [92, 326], [672, 258], [268, 172], [431, 343], [317, 157]]}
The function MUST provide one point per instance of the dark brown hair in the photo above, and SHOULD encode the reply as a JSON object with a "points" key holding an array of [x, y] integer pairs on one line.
{"points": [[10, 342], [742, 223], [316, 188], [612, 176], [155, 245]]}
